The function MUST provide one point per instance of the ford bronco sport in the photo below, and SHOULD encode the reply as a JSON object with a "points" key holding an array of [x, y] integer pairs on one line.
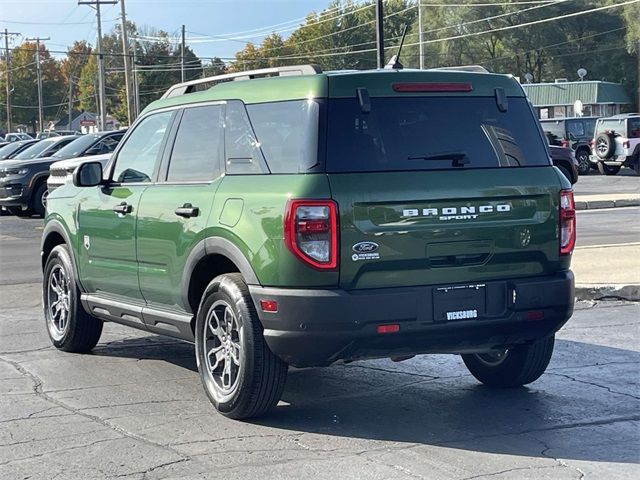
{"points": [[288, 216]]}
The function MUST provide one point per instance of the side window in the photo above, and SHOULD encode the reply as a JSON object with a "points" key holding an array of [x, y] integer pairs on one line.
{"points": [[199, 145], [109, 144], [243, 155], [138, 156], [634, 127], [576, 128], [288, 134]]}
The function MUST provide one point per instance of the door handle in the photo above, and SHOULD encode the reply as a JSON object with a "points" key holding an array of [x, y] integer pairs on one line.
{"points": [[187, 211], [123, 208]]}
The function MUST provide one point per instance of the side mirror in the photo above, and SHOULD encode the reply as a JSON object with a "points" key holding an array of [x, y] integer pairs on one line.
{"points": [[88, 174]]}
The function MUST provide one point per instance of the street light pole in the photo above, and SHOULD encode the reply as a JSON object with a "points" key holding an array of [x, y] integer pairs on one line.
{"points": [[380, 33], [420, 45]]}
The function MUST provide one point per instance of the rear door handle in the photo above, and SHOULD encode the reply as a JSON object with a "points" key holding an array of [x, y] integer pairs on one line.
{"points": [[187, 211], [123, 208]]}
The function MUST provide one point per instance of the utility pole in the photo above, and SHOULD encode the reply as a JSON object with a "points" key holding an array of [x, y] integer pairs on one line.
{"points": [[70, 121], [182, 54], [39, 75], [127, 60], [7, 60], [380, 33], [136, 90], [421, 46], [103, 107]]}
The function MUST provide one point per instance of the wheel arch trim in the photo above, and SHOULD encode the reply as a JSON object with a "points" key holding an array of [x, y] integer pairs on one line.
{"points": [[56, 226], [215, 246]]}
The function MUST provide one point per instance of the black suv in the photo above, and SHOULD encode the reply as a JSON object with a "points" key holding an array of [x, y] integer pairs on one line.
{"points": [[575, 133], [23, 183]]}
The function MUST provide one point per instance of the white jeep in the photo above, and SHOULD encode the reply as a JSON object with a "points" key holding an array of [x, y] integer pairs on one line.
{"points": [[616, 143]]}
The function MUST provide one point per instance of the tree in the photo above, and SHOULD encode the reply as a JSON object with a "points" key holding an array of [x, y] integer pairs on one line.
{"points": [[25, 86]]}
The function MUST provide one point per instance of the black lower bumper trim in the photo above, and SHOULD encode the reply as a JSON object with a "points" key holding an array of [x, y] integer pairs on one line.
{"points": [[318, 327]]}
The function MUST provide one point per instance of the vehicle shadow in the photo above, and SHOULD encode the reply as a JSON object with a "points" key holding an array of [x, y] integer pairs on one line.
{"points": [[586, 407]]}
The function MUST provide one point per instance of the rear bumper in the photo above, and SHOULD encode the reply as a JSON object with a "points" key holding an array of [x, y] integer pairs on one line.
{"points": [[318, 327]]}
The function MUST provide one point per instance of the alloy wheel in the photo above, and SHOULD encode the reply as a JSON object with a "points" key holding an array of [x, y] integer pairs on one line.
{"points": [[58, 302], [493, 359], [222, 347]]}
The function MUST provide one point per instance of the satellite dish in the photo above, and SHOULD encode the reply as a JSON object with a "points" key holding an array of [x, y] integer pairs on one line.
{"points": [[528, 77], [582, 72]]}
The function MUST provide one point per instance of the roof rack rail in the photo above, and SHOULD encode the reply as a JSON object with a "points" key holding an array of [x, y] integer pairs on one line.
{"points": [[190, 86], [464, 68]]}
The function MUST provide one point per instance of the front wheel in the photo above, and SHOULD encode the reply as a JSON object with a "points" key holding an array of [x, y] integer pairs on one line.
{"points": [[241, 376], [608, 169], [513, 367], [70, 328], [584, 165]]}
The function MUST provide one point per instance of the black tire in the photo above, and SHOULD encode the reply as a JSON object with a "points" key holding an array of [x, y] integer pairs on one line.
{"points": [[260, 376], [636, 164], [605, 169], [584, 165], [38, 202], [566, 173], [81, 331], [19, 212], [604, 146], [519, 366]]}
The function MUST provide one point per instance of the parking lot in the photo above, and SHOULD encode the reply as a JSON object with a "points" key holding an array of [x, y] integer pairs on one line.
{"points": [[135, 408]]}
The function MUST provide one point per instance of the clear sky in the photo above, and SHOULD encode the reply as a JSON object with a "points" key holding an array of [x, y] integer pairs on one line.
{"points": [[65, 21]]}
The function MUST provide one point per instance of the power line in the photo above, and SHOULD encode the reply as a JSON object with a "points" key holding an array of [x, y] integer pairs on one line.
{"points": [[527, 24]]}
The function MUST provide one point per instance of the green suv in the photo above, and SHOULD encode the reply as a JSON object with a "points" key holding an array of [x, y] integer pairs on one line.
{"points": [[288, 216]]}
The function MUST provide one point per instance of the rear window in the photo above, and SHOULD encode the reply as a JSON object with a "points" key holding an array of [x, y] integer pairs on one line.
{"points": [[613, 125], [431, 133], [554, 130]]}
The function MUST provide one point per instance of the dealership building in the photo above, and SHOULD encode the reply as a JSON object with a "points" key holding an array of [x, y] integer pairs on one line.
{"points": [[571, 99]]}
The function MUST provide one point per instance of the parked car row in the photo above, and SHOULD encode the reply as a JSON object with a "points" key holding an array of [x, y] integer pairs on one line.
{"points": [[25, 167], [605, 144]]}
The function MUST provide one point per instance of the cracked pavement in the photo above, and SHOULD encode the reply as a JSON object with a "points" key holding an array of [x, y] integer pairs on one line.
{"points": [[134, 409]]}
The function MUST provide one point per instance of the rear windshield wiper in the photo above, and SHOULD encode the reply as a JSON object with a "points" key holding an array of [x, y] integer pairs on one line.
{"points": [[458, 159]]}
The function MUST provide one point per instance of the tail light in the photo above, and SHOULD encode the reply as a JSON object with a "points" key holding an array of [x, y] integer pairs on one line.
{"points": [[564, 143], [626, 144], [311, 232], [567, 222]]}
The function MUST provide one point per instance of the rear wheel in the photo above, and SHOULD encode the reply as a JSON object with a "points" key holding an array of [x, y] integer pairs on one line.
{"points": [[608, 169], [241, 376], [584, 166], [513, 367], [70, 328]]}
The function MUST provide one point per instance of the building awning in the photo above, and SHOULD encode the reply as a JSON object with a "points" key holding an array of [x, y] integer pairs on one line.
{"points": [[566, 93]]}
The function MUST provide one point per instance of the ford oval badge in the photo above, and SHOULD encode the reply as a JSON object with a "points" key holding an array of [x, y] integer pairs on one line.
{"points": [[365, 247]]}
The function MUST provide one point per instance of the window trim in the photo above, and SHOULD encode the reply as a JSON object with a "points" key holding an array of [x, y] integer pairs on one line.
{"points": [[170, 144], [116, 153]]}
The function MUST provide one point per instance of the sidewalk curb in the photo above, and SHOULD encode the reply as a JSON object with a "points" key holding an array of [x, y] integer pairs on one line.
{"points": [[601, 292], [598, 204]]}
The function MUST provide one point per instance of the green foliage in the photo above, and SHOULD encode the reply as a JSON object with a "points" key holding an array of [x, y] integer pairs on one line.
{"points": [[25, 86]]}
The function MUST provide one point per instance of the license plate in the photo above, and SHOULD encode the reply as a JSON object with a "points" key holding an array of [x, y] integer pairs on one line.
{"points": [[459, 302]]}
